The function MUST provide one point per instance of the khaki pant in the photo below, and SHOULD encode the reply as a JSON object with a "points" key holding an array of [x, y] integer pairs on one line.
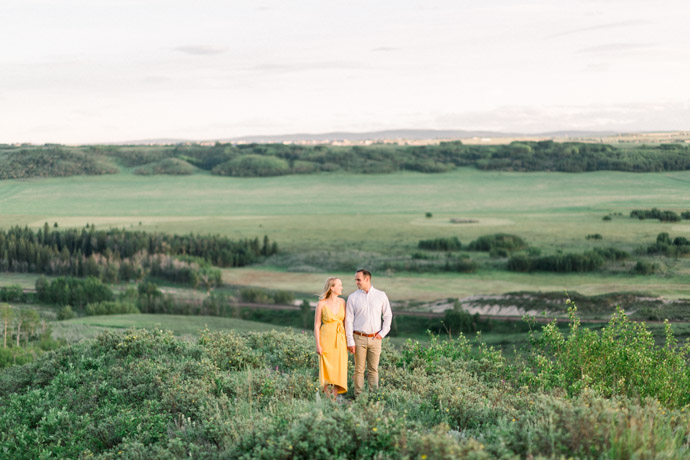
{"points": [[367, 353]]}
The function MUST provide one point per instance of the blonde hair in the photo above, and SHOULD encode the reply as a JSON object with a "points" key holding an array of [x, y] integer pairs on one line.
{"points": [[330, 282]]}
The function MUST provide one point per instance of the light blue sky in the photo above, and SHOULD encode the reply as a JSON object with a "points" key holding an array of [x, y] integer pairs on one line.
{"points": [[76, 71]]}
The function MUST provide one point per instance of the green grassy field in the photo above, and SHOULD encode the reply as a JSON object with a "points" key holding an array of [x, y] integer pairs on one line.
{"points": [[90, 326], [84, 328], [347, 218]]}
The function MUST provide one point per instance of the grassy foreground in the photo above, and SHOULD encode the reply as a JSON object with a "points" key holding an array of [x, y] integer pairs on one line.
{"points": [[148, 394], [88, 327]]}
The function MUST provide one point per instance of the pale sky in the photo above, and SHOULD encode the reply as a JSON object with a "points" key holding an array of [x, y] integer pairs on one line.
{"points": [[81, 71]]}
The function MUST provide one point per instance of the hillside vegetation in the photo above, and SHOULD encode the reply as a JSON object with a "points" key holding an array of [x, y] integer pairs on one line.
{"points": [[258, 160], [147, 394], [52, 161]]}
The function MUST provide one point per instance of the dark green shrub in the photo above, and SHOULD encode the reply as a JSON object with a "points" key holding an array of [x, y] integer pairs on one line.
{"points": [[458, 321], [441, 244], [66, 312], [503, 241], [258, 295], [169, 166], [110, 308], [255, 295], [499, 252], [12, 293], [462, 264], [645, 268], [253, 166], [562, 263], [283, 297]]}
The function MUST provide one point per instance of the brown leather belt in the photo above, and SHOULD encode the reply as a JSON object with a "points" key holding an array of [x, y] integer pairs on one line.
{"points": [[363, 334]]}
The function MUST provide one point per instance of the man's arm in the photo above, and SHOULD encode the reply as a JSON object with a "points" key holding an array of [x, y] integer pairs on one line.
{"points": [[387, 315], [349, 318]]}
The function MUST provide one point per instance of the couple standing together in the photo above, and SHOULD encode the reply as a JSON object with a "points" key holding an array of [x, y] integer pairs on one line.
{"points": [[363, 322]]}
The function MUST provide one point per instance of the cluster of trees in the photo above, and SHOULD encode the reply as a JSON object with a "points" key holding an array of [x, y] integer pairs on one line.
{"points": [[12, 293], [51, 161], [662, 215], [24, 335], [441, 244], [74, 292], [498, 244], [119, 255], [587, 261], [676, 247], [90, 296], [256, 160]]}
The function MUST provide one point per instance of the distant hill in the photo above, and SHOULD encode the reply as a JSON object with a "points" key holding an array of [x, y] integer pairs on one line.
{"points": [[393, 134], [409, 134]]}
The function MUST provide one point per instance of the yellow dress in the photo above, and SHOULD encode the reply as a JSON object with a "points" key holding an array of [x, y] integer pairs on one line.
{"points": [[333, 359]]}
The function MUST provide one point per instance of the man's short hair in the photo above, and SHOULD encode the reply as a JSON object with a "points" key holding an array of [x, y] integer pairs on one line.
{"points": [[364, 272]]}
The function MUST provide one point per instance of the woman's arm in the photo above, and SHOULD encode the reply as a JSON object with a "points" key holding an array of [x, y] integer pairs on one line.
{"points": [[317, 326]]}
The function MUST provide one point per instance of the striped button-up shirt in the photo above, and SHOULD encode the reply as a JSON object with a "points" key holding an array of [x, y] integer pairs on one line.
{"points": [[364, 314]]}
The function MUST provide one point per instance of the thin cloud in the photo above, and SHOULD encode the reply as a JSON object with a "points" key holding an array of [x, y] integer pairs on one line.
{"points": [[302, 66], [615, 48], [199, 50], [384, 49], [611, 25]]}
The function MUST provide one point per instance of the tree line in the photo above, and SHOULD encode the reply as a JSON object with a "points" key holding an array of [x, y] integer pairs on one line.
{"points": [[661, 215], [258, 160], [587, 261], [119, 255]]}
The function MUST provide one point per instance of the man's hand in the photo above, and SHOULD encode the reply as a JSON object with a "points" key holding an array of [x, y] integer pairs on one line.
{"points": [[351, 350], [378, 337]]}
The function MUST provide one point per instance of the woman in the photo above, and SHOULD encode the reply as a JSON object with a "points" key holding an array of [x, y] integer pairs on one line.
{"points": [[331, 345]]}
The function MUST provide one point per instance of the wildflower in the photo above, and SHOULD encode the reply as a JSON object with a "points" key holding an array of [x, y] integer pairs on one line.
{"points": [[513, 420], [423, 456]]}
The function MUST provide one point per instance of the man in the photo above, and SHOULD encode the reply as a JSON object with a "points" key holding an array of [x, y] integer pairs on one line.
{"points": [[365, 309]]}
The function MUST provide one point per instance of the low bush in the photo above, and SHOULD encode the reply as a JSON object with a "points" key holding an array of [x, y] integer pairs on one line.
{"points": [[497, 241], [169, 166], [621, 360], [258, 295], [110, 308], [147, 394], [441, 244], [252, 165], [645, 268]]}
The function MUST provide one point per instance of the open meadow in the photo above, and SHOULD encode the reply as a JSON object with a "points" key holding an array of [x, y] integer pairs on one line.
{"points": [[334, 223]]}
